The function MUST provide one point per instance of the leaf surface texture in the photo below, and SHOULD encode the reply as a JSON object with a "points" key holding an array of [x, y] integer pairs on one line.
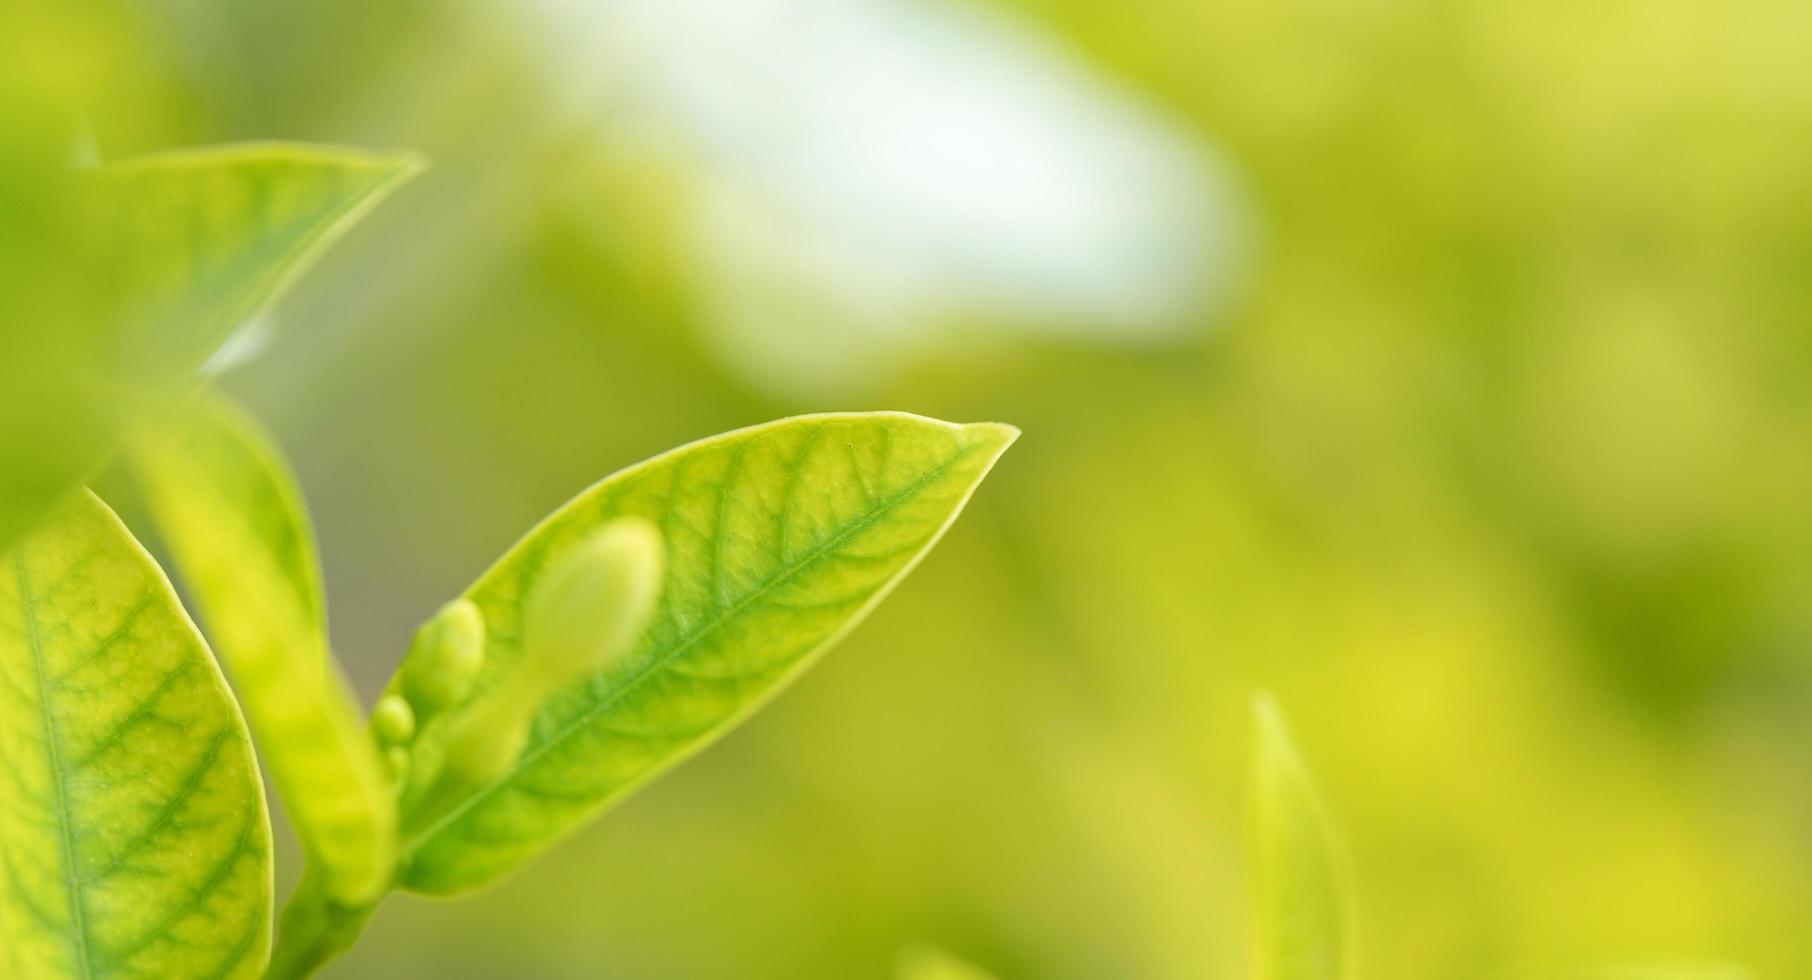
{"points": [[133, 834], [779, 538]]}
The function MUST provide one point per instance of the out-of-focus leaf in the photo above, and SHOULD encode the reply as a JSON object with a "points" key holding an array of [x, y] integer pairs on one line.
{"points": [[152, 263], [779, 538], [1302, 881], [133, 831], [931, 963], [57, 58], [50, 442], [199, 241], [210, 435], [233, 519], [51, 317]]}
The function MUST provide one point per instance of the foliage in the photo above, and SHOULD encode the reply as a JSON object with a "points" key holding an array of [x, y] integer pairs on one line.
{"points": [[1495, 468], [165, 256], [623, 634]]}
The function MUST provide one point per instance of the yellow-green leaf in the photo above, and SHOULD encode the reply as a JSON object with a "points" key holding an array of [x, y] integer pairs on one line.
{"points": [[1302, 880], [229, 511], [779, 538], [133, 835]]}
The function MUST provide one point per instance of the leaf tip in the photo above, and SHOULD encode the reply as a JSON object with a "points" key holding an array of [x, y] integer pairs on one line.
{"points": [[998, 435], [405, 164]]}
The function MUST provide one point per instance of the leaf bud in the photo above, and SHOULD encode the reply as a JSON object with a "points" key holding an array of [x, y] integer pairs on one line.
{"points": [[590, 605], [443, 659], [393, 721], [584, 611]]}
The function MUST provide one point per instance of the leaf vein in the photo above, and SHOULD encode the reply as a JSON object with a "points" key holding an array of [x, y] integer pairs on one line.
{"points": [[59, 790], [119, 633], [146, 709], [586, 717], [191, 785], [192, 902], [731, 470]]}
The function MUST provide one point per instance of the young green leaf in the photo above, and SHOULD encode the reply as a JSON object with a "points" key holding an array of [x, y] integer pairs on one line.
{"points": [[1302, 881], [133, 833], [232, 517], [778, 539], [931, 963], [148, 266]]}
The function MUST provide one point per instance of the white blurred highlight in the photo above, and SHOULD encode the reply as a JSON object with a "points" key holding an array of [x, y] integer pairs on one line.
{"points": [[247, 341], [876, 180]]}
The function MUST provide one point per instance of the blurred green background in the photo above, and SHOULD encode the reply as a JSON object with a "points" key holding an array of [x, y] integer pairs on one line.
{"points": [[1440, 365]]}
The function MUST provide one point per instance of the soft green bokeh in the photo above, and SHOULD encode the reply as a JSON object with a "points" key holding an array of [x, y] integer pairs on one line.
{"points": [[1496, 470]]}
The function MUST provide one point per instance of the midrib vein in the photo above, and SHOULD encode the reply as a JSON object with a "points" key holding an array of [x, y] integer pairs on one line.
{"points": [[53, 747]]}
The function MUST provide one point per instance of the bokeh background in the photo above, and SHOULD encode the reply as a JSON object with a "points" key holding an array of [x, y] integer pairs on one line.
{"points": [[1439, 365]]}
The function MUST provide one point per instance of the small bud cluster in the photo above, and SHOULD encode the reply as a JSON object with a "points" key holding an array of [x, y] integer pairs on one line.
{"points": [[583, 612]]}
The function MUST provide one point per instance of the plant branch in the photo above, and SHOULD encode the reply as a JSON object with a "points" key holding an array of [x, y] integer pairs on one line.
{"points": [[313, 930]]}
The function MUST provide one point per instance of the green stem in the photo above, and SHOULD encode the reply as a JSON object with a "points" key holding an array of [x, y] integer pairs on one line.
{"points": [[314, 929]]}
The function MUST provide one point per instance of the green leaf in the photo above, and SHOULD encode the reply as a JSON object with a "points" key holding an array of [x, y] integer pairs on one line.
{"points": [[133, 834], [931, 963], [230, 512], [199, 241], [152, 264], [1302, 879], [779, 539]]}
